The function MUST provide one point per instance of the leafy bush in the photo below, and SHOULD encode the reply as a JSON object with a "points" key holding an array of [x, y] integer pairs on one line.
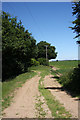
{"points": [[71, 80], [34, 62], [43, 61]]}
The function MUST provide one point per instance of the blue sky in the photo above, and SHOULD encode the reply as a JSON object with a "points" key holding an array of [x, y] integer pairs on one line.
{"points": [[47, 21]]}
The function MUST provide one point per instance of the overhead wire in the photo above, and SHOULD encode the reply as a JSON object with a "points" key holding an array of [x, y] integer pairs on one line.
{"points": [[34, 20], [32, 16]]}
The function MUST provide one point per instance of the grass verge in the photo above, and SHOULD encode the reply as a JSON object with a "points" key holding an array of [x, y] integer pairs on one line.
{"points": [[8, 87]]}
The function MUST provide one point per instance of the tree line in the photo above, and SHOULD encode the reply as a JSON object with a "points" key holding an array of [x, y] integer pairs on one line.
{"points": [[19, 48]]}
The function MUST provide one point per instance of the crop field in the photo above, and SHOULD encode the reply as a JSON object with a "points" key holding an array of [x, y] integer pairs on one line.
{"points": [[70, 75], [64, 66]]}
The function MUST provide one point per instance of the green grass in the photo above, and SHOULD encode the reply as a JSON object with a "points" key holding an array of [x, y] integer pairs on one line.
{"points": [[57, 110], [8, 87], [67, 63], [41, 69], [70, 78], [38, 105], [64, 66]]}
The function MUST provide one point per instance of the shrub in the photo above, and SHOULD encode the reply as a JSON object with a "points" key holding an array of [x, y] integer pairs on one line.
{"points": [[43, 61], [34, 62], [71, 80]]}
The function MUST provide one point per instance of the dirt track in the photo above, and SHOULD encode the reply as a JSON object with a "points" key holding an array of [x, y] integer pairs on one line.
{"points": [[25, 99], [71, 104]]}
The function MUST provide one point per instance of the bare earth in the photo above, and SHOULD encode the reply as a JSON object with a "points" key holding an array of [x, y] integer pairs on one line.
{"points": [[70, 104], [23, 105], [24, 101]]}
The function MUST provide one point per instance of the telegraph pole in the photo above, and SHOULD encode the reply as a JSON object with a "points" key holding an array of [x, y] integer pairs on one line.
{"points": [[46, 51]]}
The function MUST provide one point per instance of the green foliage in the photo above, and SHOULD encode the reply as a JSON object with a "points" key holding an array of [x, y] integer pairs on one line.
{"points": [[76, 12], [70, 78], [34, 62], [43, 61], [42, 50], [18, 47]]}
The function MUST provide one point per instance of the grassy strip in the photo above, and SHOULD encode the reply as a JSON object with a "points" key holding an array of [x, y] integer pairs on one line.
{"points": [[57, 110], [38, 105], [8, 87]]}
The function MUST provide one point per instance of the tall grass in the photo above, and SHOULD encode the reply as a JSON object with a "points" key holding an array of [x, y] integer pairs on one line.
{"points": [[70, 75]]}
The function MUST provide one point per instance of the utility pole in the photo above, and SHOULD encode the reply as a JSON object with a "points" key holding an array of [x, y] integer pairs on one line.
{"points": [[46, 51]]}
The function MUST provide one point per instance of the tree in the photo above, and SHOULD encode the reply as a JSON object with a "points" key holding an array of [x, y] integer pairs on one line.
{"points": [[18, 46], [76, 28], [76, 12], [42, 50]]}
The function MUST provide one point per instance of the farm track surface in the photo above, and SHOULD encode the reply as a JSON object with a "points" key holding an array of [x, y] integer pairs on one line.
{"points": [[23, 105], [70, 104]]}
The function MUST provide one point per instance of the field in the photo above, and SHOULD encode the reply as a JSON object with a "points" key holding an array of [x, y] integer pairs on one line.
{"points": [[64, 66], [70, 75]]}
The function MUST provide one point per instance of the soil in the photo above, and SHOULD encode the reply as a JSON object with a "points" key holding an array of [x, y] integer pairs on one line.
{"points": [[70, 104], [23, 105]]}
